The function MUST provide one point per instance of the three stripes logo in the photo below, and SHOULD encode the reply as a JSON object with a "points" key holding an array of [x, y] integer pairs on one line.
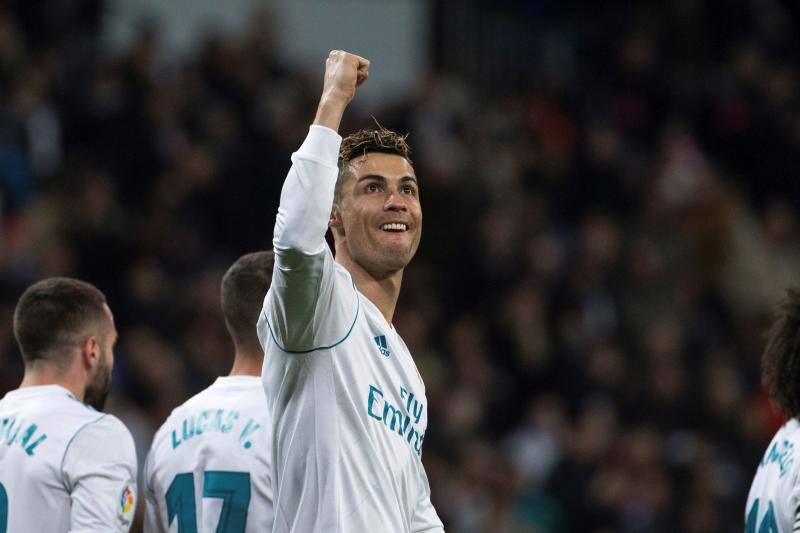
{"points": [[380, 340]]}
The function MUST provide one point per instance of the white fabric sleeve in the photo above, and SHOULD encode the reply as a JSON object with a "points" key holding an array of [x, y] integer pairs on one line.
{"points": [[152, 516], [99, 471], [310, 305], [425, 518]]}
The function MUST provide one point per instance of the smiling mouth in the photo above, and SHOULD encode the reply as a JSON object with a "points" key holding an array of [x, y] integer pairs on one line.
{"points": [[394, 227]]}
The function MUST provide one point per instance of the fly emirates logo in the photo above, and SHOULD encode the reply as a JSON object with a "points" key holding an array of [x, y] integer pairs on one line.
{"points": [[403, 420]]}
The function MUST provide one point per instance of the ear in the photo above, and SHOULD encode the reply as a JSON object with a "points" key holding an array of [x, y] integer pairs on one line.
{"points": [[335, 222], [90, 352]]}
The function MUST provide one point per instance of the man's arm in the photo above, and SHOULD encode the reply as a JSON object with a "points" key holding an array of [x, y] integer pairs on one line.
{"points": [[303, 285], [99, 471], [343, 73], [152, 514]]}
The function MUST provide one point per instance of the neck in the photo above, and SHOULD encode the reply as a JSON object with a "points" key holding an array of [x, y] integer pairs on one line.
{"points": [[382, 291], [38, 375], [247, 363]]}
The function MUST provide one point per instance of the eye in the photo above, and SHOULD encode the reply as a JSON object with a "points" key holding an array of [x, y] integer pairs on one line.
{"points": [[408, 189], [372, 187]]}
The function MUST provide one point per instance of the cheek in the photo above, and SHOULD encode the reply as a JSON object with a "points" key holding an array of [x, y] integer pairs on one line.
{"points": [[359, 219]]}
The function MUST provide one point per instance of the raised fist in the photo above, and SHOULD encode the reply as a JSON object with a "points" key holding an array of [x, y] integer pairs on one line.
{"points": [[343, 73]]}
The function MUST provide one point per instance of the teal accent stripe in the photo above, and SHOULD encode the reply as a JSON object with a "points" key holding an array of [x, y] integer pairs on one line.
{"points": [[63, 458], [300, 352]]}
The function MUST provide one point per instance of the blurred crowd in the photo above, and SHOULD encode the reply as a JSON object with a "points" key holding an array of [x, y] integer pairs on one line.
{"points": [[605, 240]]}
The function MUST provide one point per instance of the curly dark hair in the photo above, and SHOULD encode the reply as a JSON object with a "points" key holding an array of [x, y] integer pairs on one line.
{"points": [[780, 362], [362, 142]]}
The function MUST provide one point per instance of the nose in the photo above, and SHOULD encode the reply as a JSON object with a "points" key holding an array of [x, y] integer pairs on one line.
{"points": [[395, 202]]}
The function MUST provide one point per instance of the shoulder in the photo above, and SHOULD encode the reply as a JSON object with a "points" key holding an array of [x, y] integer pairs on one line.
{"points": [[179, 413], [254, 400], [103, 444], [342, 276], [198, 402], [102, 432]]}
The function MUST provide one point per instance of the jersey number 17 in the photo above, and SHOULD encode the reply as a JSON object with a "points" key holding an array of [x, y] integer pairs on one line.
{"points": [[232, 487]]}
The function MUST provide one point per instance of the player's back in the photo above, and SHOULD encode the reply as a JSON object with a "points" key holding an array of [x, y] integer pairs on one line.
{"points": [[774, 498], [46, 441], [208, 467]]}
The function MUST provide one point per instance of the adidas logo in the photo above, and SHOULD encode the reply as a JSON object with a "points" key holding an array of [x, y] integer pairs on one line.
{"points": [[380, 340]]}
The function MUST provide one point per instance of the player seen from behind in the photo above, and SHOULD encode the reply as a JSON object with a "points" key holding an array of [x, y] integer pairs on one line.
{"points": [[64, 466], [208, 466], [773, 504], [348, 404]]}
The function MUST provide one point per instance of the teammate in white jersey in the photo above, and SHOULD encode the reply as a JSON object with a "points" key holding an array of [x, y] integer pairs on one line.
{"points": [[348, 404], [208, 468], [63, 465], [773, 504]]}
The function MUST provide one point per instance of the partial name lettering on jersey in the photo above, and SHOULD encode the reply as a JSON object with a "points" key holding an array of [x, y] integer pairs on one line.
{"points": [[771, 502], [18, 431], [780, 453], [223, 421]]}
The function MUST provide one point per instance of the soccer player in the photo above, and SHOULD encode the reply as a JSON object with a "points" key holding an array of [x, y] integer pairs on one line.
{"points": [[208, 467], [773, 504], [63, 465], [348, 404]]}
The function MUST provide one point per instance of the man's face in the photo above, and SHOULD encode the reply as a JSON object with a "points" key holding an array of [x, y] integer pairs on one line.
{"points": [[99, 384], [379, 216]]}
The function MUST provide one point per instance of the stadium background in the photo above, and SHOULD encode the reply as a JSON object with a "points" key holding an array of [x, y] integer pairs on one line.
{"points": [[610, 196]]}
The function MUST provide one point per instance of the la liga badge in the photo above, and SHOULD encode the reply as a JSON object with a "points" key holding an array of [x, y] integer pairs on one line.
{"points": [[127, 504]]}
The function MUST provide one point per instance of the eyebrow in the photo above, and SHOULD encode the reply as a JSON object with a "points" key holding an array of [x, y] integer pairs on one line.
{"points": [[383, 179]]}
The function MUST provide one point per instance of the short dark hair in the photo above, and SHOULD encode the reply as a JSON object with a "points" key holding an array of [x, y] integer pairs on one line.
{"points": [[780, 362], [51, 314], [369, 140], [244, 286]]}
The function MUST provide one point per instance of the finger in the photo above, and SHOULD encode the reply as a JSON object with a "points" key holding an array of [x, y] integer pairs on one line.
{"points": [[362, 61]]}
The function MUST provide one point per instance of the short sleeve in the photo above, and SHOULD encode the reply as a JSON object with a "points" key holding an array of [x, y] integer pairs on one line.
{"points": [[99, 471], [152, 516]]}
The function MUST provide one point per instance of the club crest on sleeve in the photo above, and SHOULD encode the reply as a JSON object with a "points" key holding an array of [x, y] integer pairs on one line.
{"points": [[127, 505]]}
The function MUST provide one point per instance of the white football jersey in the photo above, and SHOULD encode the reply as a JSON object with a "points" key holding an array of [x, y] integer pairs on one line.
{"points": [[63, 465], [347, 403], [208, 466], [774, 496]]}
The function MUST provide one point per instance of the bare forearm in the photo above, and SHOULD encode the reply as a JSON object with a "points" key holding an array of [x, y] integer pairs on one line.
{"points": [[330, 110]]}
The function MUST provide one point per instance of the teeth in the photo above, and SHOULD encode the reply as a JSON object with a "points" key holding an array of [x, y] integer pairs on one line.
{"points": [[394, 227]]}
